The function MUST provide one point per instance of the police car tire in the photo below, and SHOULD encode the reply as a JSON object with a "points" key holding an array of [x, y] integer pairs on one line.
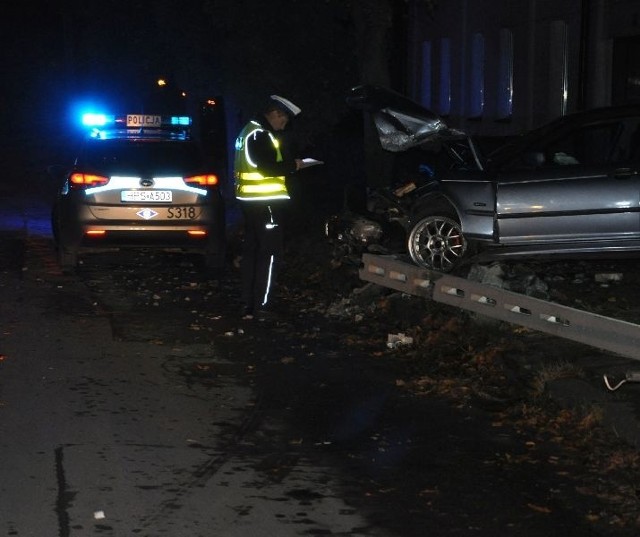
{"points": [[67, 259]]}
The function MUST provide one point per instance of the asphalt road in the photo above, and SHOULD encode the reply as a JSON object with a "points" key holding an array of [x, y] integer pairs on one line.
{"points": [[134, 401], [120, 421]]}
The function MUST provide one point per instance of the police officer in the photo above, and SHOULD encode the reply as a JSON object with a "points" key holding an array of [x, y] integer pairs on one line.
{"points": [[260, 172]]}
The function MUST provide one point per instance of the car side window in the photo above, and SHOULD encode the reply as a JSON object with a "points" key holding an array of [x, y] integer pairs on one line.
{"points": [[628, 148], [589, 145], [613, 142]]}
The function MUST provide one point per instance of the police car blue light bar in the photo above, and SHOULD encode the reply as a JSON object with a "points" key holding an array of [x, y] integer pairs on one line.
{"points": [[135, 125], [91, 119], [156, 121], [183, 121]]}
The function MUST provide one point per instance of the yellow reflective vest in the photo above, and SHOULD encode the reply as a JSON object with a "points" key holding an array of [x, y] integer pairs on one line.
{"points": [[250, 183]]}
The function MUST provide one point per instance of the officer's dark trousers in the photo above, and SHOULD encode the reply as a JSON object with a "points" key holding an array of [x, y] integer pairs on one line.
{"points": [[261, 252]]}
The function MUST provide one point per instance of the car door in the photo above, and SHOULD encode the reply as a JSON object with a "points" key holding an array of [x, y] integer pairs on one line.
{"points": [[580, 185]]}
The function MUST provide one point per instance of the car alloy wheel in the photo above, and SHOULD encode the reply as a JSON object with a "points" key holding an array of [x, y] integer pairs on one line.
{"points": [[437, 243]]}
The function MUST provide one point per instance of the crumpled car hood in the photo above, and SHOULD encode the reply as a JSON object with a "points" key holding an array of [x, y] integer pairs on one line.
{"points": [[401, 122]]}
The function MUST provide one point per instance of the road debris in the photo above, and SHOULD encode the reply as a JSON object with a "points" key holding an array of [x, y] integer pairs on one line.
{"points": [[396, 340], [607, 277]]}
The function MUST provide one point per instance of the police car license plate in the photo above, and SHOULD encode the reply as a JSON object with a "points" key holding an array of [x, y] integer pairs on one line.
{"points": [[145, 195]]}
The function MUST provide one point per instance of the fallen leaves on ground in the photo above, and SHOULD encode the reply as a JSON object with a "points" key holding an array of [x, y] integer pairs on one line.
{"points": [[458, 357]]}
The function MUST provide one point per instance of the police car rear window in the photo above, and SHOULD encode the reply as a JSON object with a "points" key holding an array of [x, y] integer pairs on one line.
{"points": [[111, 156]]}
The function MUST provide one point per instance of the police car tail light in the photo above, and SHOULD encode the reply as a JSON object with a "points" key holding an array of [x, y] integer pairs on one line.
{"points": [[81, 181], [197, 233], [202, 180]]}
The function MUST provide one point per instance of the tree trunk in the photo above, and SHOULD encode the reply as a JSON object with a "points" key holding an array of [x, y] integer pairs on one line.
{"points": [[373, 21]]}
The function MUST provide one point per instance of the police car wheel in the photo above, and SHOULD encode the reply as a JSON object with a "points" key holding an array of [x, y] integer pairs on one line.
{"points": [[67, 259], [54, 223]]}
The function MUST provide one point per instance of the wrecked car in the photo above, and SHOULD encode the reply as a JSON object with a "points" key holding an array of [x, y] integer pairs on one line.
{"points": [[570, 188]]}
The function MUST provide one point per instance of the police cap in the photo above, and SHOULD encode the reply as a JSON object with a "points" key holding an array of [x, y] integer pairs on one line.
{"points": [[284, 105]]}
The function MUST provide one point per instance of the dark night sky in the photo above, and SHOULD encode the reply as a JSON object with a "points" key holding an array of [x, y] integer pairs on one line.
{"points": [[51, 56], [56, 52]]}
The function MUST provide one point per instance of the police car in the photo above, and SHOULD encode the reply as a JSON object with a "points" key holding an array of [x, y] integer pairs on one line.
{"points": [[139, 181]]}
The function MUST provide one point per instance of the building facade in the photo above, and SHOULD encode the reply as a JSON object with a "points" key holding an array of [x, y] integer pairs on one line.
{"points": [[500, 67]]}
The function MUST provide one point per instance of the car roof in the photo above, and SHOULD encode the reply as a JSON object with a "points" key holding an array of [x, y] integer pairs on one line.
{"points": [[140, 135]]}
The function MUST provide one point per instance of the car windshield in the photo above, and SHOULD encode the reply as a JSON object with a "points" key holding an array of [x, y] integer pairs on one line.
{"points": [[127, 156]]}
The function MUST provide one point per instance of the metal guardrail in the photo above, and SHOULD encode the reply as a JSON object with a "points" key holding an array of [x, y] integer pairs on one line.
{"points": [[390, 272], [604, 333]]}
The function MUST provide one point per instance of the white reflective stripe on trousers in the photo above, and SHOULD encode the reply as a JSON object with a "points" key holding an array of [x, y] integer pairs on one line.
{"points": [[270, 225], [265, 299]]}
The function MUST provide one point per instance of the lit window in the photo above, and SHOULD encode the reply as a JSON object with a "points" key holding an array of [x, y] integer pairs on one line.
{"points": [[425, 81], [476, 95], [444, 98], [558, 69], [505, 75]]}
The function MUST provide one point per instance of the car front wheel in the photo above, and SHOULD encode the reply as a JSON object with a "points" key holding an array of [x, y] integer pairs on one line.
{"points": [[437, 243]]}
